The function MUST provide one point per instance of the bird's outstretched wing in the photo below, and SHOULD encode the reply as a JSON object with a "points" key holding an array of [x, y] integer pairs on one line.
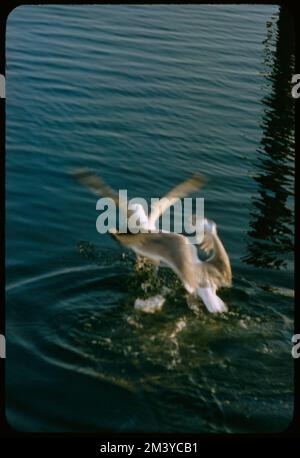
{"points": [[192, 184], [87, 178]]}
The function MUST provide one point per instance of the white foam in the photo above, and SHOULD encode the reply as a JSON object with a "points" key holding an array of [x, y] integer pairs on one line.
{"points": [[151, 305]]}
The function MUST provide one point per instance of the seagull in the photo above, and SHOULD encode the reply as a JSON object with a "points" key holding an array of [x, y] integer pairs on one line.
{"points": [[175, 250]]}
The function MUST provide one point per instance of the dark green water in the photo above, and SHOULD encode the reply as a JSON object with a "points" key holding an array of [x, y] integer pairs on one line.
{"points": [[146, 95]]}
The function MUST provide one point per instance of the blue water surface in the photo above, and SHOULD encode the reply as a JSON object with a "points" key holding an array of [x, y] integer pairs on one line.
{"points": [[145, 95]]}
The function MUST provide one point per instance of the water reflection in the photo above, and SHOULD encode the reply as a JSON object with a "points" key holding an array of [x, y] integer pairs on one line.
{"points": [[272, 215]]}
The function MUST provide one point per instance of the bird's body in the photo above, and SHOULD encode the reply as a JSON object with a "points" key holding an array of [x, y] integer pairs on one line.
{"points": [[174, 250]]}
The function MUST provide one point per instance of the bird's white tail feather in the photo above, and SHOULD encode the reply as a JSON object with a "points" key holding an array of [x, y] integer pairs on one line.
{"points": [[212, 302]]}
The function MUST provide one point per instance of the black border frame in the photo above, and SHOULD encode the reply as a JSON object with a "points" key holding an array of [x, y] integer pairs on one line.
{"points": [[74, 441]]}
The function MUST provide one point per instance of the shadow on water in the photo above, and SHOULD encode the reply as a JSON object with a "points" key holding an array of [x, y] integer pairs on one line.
{"points": [[271, 225]]}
